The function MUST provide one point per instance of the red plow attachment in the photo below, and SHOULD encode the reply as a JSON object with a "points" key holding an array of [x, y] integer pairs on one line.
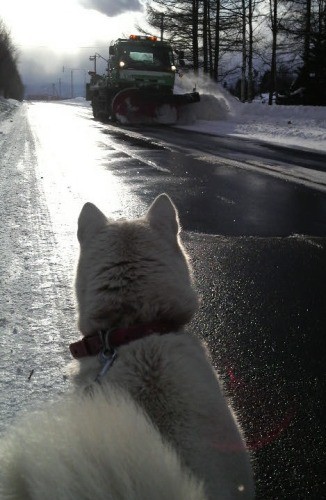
{"points": [[134, 106]]}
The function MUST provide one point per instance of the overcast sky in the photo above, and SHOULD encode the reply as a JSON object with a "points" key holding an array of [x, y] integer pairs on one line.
{"points": [[52, 34]]}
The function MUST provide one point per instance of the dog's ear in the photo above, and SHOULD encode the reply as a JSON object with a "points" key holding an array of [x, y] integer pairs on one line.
{"points": [[90, 220], [163, 216]]}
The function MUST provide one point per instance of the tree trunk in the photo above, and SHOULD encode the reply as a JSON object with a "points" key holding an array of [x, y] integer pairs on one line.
{"points": [[210, 41], [244, 53], [217, 41], [195, 35], [307, 34], [306, 48], [273, 13], [250, 54], [205, 40]]}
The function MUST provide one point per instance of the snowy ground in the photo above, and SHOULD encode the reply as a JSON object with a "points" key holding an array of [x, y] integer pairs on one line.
{"points": [[296, 126], [47, 174], [219, 113], [6, 105]]}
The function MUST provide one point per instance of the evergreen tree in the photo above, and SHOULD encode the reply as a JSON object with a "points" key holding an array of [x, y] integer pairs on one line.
{"points": [[11, 85], [223, 37]]}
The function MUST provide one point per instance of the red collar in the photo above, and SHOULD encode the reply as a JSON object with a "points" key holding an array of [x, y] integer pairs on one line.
{"points": [[93, 344]]}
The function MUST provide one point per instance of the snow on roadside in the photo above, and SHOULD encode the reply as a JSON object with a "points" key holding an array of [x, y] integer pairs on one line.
{"points": [[219, 113], [7, 105], [295, 126], [76, 101]]}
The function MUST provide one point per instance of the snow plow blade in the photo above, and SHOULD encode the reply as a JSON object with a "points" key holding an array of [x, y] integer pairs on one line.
{"points": [[134, 106]]}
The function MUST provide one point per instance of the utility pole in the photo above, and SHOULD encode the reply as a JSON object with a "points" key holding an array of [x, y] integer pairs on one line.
{"points": [[97, 56], [162, 25], [72, 78], [71, 81], [93, 58]]}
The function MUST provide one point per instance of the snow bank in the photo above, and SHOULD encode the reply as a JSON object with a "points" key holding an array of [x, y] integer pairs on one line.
{"points": [[280, 111], [7, 105], [77, 101], [219, 113]]}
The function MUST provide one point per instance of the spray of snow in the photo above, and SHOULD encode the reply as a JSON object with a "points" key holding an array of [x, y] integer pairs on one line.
{"points": [[221, 114], [215, 103], [166, 114]]}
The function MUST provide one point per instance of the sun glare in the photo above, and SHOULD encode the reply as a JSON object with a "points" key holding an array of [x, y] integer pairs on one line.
{"points": [[63, 26], [46, 24]]}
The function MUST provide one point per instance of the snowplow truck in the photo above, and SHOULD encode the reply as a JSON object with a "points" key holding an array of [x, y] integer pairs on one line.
{"points": [[138, 86]]}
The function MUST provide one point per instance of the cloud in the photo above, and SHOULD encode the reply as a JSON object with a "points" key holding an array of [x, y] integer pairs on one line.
{"points": [[45, 67], [113, 7]]}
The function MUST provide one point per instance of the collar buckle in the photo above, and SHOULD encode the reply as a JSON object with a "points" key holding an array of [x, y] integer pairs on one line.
{"points": [[107, 349]]}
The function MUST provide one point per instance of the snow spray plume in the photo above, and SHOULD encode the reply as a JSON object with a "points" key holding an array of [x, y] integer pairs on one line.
{"points": [[215, 102]]}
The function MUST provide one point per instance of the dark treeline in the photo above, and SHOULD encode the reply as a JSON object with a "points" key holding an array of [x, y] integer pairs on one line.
{"points": [[11, 85], [272, 46]]}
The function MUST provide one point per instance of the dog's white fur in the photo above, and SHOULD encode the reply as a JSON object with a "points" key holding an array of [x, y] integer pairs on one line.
{"points": [[92, 448], [159, 426]]}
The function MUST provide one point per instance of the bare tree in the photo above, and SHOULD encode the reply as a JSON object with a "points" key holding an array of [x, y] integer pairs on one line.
{"points": [[225, 37], [274, 28]]}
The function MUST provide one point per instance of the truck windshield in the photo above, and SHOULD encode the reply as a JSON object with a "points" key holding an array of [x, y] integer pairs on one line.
{"points": [[149, 56]]}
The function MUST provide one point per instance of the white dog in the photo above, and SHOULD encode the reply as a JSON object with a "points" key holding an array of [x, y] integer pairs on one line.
{"points": [[150, 421]]}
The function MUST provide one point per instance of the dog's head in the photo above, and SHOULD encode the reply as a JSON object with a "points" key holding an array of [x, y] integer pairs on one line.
{"points": [[133, 272]]}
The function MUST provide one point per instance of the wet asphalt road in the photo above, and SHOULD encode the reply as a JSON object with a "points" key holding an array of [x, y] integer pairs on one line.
{"points": [[216, 193], [259, 253], [263, 315]]}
